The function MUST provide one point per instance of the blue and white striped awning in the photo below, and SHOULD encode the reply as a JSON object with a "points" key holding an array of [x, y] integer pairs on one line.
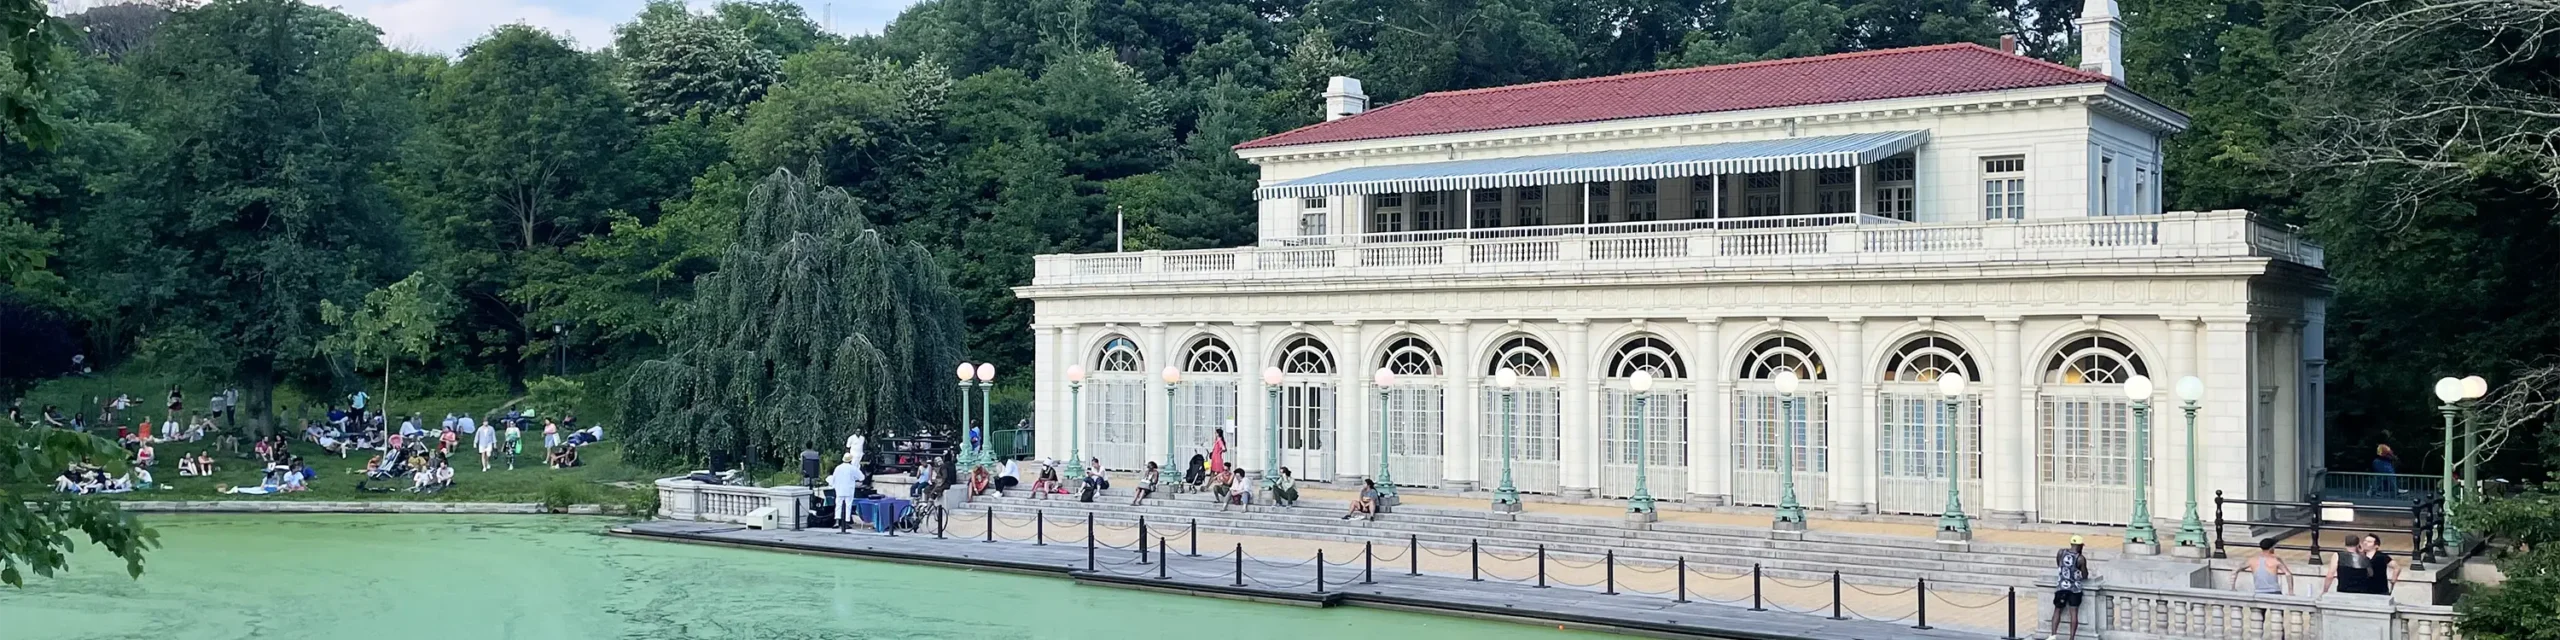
{"points": [[1757, 156]]}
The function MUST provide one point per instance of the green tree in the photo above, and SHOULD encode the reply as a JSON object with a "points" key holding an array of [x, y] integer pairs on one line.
{"points": [[677, 65], [522, 156], [814, 328], [1767, 29], [405, 319], [778, 26], [258, 196], [2524, 530], [33, 524], [27, 39]]}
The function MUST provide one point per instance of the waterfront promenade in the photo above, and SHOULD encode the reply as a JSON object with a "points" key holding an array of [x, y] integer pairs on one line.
{"points": [[1596, 593]]}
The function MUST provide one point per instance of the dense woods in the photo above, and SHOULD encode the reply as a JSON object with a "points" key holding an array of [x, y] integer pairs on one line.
{"points": [[182, 188]]}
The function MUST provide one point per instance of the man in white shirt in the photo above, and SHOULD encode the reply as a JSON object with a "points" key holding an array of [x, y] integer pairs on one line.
{"points": [[486, 440], [846, 483]]}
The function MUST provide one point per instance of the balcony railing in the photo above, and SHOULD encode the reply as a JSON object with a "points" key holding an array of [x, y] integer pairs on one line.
{"points": [[1730, 243]]}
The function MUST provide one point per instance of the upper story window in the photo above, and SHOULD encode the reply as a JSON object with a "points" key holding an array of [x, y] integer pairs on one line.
{"points": [[1311, 216], [2004, 187], [1703, 195], [1487, 211], [1312, 203], [1428, 212], [1763, 194], [1837, 190], [1894, 187], [1533, 206], [1642, 206], [2107, 185], [2142, 190], [1386, 213]]}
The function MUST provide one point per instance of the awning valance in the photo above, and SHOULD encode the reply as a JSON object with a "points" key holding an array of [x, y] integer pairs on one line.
{"points": [[1757, 156]]}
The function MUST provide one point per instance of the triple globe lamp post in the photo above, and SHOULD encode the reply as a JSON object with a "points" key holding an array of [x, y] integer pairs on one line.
{"points": [[976, 454]]}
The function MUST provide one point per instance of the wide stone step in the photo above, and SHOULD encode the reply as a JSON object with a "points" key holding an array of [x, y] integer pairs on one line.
{"points": [[1737, 553]]}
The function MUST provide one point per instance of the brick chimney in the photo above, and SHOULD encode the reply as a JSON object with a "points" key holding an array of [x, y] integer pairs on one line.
{"points": [[2009, 43]]}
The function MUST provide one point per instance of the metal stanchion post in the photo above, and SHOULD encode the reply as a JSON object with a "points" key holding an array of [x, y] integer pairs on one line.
{"points": [[1368, 562], [1194, 535], [991, 524], [1142, 546], [1475, 566], [1683, 596], [1755, 587], [1413, 554], [1835, 595], [1319, 571], [1612, 573], [1164, 562], [1089, 547], [940, 519], [1142, 533], [2013, 615], [1923, 598], [1239, 564], [1542, 566], [1040, 527]]}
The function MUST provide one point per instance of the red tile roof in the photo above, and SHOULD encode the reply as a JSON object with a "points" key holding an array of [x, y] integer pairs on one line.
{"points": [[1847, 77]]}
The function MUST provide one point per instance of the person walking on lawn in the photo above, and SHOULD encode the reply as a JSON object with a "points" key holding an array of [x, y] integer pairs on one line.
{"points": [[486, 440], [515, 444]]}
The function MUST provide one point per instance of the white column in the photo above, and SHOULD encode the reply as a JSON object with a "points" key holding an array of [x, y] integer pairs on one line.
{"points": [[1458, 410], [2225, 419], [2280, 375], [1048, 394], [1851, 424], [1252, 416], [2313, 426], [1159, 408], [1070, 353], [1351, 404], [2169, 421], [1581, 457], [1710, 439], [2008, 477]]}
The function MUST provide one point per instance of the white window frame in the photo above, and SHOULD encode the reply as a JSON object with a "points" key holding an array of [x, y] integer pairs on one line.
{"points": [[1643, 203], [1764, 200], [1835, 190], [1312, 214], [2004, 186], [1895, 195], [2107, 184], [1483, 213], [1532, 206], [1386, 213]]}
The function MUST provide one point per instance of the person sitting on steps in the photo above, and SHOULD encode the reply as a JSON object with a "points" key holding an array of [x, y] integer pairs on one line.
{"points": [[1146, 484], [1285, 491], [1367, 504]]}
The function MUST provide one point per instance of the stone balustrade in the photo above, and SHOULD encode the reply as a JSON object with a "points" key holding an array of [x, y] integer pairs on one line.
{"points": [[1849, 241], [2141, 612], [683, 499]]}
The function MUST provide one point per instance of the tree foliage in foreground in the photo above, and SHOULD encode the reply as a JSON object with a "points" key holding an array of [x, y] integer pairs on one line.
{"points": [[2526, 528], [814, 328], [35, 527]]}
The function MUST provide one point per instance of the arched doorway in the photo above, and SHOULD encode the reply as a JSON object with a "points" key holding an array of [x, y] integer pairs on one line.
{"points": [[1307, 407], [1205, 401], [1916, 433], [1534, 411], [1761, 426], [1414, 425], [1666, 421], [2084, 432], [1116, 405]]}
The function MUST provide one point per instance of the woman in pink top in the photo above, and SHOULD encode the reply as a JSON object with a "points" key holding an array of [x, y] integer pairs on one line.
{"points": [[1217, 450]]}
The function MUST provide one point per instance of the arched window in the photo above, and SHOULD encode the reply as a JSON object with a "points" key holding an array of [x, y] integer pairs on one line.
{"points": [[1646, 353], [1118, 354], [1209, 355], [1306, 355], [1525, 356], [1782, 352], [1410, 356], [2093, 359], [1925, 358]]}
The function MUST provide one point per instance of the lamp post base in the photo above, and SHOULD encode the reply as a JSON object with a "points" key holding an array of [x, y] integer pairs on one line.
{"points": [[1640, 517], [2184, 551], [2141, 549], [1955, 536], [1505, 507], [1787, 526]]}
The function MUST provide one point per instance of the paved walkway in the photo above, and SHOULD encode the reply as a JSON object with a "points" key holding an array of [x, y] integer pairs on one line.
{"points": [[1577, 591], [1815, 519]]}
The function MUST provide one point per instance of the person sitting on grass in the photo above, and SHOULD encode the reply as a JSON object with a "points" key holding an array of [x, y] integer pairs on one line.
{"points": [[204, 464], [1367, 503], [253, 491], [69, 481]]}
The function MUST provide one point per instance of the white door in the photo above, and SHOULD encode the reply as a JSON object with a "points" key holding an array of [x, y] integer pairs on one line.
{"points": [[1913, 446], [1536, 443], [1761, 431], [1306, 430], [1118, 407], [1201, 409], [2084, 456], [1665, 439]]}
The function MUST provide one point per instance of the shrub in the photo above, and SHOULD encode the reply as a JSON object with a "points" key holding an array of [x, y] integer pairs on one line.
{"points": [[559, 493]]}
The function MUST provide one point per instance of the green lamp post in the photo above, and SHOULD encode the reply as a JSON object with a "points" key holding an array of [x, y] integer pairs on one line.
{"points": [[1640, 505], [2191, 538], [967, 455], [986, 415], [1075, 423], [1165, 475], [1953, 526], [2139, 537], [1506, 497], [1790, 516], [2457, 393], [1271, 378], [1384, 379]]}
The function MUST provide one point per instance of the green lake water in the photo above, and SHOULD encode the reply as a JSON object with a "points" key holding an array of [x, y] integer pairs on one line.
{"points": [[400, 577]]}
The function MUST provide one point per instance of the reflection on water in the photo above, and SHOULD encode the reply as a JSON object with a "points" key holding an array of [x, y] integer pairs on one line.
{"points": [[398, 577]]}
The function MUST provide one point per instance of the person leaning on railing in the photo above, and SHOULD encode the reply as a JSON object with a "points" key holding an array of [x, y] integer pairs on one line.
{"points": [[2268, 573]]}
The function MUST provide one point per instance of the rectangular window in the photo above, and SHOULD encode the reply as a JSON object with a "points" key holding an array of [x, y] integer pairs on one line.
{"points": [[1837, 190], [2004, 187], [1762, 194], [1311, 203], [2142, 190], [1428, 212], [1487, 212], [1386, 213], [1641, 203], [1533, 206], [1893, 193], [1311, 224], [2107, 185]]}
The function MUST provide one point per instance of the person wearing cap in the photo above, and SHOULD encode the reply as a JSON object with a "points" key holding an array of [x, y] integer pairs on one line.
{"points": [[847, 483], [2071, 572]]}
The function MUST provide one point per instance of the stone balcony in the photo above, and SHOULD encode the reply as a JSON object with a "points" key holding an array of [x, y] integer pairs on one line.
{"points": [[1790, 242]]}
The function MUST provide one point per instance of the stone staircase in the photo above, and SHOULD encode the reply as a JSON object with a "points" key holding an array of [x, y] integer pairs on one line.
{"points": [[1871, 559]]}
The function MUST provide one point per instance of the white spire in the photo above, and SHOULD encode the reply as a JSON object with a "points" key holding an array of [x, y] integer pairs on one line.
{"points": [[2102, 38]]}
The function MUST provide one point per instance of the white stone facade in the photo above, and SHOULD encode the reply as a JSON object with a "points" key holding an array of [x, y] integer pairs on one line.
{"points": [[1869, 307]]}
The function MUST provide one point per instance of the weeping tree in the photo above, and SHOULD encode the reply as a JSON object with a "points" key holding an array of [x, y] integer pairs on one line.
{"points": [[814, 328]]}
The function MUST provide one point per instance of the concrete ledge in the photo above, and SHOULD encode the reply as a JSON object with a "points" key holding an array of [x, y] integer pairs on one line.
{"points": [[246, 506]]}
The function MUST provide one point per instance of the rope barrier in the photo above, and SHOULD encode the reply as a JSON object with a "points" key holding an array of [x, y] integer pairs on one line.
{"points": [[1451, 554], [1710, 575], [1275, 565], [1498, 576], [1941, 596], [1854, 587], [1639, 568], [1783, 583], [1498, 556], [1569, 565]]}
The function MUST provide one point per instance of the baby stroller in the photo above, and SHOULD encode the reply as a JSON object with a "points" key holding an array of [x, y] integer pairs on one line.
{"points": [[394, 467]]}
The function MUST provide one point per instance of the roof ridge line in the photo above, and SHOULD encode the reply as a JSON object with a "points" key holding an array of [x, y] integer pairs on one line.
{"points": [[1722, 67]]}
